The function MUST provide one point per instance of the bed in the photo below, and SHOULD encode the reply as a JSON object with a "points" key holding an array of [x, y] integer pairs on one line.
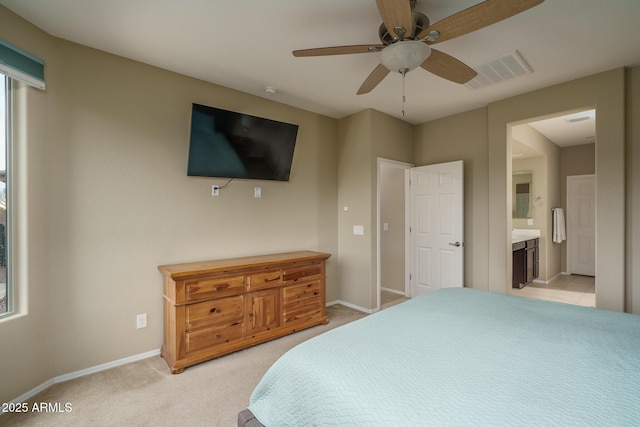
{"points": [[460, 357]]}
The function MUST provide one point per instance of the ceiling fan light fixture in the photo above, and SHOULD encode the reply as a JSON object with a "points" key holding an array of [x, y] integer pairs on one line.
{"points": [[404, 56]]}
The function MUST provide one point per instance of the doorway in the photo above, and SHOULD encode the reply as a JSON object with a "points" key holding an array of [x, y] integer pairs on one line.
{"points": [[394, 242], [562, 146], [392, 279]]}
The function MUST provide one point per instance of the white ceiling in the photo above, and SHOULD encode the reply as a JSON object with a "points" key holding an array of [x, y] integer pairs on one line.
{"points": [[246, 45]]}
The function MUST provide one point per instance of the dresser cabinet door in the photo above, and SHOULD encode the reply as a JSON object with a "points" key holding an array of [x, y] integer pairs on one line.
{"points": [[262, 311]]}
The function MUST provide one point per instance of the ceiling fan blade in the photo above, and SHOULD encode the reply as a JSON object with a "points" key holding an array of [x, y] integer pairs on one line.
{"points": [[448, 67], [376, 76], [476, 17], [396, 15], [338, 50]]}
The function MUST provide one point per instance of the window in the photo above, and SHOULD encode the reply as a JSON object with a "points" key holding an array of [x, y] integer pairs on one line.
{"points": [[5, 286], [16, 66]]}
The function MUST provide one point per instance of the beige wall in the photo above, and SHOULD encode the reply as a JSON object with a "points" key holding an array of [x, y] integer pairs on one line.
{"points": [[487, 263], [354, 208], [606, 93], [108, 201], [574, 160], [363, 137], [633, 190]]}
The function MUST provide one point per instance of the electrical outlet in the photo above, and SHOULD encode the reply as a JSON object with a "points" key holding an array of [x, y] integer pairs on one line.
{"points": [[215, 190], [141, 320]]}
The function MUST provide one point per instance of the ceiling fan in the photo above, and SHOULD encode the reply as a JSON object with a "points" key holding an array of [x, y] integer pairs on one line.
{"points": [[405, 36]]}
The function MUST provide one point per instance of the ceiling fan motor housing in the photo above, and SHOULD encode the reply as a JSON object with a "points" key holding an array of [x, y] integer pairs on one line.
{"points": [[420, 22]]}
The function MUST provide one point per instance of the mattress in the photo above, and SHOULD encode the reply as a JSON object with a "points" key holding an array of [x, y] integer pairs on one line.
{"points": [[461, 357]]}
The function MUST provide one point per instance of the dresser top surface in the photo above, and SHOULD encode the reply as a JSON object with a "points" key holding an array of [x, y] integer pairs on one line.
{"points": [[176, 271]]}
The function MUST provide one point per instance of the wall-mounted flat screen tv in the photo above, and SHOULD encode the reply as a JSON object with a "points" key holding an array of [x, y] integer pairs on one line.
{"points": [[226, 144]]}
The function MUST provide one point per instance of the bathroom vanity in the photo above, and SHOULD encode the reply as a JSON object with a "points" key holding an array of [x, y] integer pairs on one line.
{"points": [[526, 257]]}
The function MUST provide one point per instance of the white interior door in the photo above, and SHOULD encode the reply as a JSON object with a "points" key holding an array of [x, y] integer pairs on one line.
{"points": [[437, 246], [581, 224]]}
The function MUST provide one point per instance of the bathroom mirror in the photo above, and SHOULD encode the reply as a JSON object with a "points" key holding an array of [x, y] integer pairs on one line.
{"points": [[522, 183]]}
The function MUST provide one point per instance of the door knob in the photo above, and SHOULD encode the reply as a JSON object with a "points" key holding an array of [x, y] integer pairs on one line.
{"points": [[456, 244]]}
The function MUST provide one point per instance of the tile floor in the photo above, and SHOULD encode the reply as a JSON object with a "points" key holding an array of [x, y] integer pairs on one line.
{"points": [[579, 290], [387, 299]]}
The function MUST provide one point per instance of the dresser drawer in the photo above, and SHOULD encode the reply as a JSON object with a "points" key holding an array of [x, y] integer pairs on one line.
{"points": [[211, 337], [299, 273], [220, 312], [301, 311], [297, 293], [213, 287], [265, 279]]}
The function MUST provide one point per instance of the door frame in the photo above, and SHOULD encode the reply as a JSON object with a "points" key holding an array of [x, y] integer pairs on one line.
{"points": [[401, 165]]}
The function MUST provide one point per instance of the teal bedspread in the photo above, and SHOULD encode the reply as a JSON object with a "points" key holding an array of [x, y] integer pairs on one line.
{"points": [[462, 357]]}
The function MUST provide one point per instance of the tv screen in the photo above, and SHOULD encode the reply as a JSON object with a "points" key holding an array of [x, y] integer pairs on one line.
{"points": [[226, 144]]}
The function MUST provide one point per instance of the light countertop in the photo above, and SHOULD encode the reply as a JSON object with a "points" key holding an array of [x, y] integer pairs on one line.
{"points": [[523, 234]]}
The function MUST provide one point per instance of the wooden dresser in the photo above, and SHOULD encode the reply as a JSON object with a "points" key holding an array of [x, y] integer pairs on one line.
{"points": [[216, 307]]}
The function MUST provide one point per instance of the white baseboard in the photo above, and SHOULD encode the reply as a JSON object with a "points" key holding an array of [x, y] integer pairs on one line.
{"points": [[348, 304], [83, 372], [546, 282]]}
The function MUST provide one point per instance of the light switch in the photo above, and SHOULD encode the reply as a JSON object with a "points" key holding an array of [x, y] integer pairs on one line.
{"points": [[530, 221], [385, 226], [257, 192], [358, 230]]}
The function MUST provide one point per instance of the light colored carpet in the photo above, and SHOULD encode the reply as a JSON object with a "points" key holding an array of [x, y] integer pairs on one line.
{"points": [[144, 393]]}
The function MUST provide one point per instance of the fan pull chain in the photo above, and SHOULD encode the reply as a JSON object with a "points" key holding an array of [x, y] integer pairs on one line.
{"points": [[404, 98]]}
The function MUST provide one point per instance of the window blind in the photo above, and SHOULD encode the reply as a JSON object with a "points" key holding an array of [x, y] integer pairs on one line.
{"points": [[21, 65]]}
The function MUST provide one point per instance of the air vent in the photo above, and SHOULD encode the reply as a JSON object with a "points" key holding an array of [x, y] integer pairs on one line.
{"points": [[498, 70], [576, 119]]}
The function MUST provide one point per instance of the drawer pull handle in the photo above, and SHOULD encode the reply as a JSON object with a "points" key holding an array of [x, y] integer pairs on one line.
{"points": [[214, 310], [250, 315], [217, 336], [266, 280], [218, 288]]}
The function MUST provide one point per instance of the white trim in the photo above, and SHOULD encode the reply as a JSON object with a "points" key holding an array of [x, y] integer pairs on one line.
{"points": [[355, 307], [83, 372]]}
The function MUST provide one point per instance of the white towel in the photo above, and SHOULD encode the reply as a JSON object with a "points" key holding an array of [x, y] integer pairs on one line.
{"points": [[559, 232]]}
